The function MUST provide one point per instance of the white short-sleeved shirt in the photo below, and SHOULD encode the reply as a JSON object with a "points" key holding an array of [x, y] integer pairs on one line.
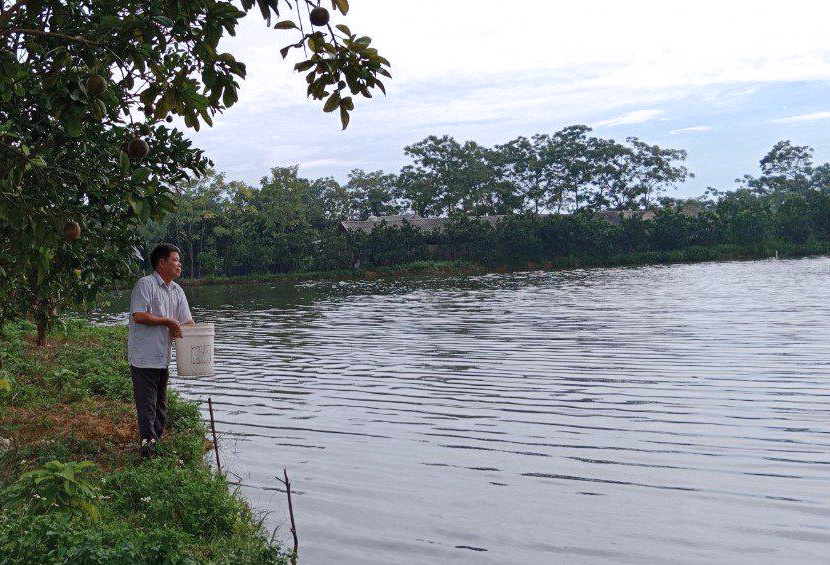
{"points": [[149, 346]]}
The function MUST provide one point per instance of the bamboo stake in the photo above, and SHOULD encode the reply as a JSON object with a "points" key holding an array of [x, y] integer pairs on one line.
{"points": [[213, 429]]}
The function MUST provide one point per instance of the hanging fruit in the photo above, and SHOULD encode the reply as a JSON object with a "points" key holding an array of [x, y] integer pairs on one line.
{"points": [[138, 149], [319, 16], [71, 229], [96, 85]]}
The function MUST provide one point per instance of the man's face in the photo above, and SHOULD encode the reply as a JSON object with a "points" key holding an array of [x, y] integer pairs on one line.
{"points": [[171, 266]]}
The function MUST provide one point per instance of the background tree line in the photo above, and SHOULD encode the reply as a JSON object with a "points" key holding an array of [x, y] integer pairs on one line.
{"points": [[552, 188]]}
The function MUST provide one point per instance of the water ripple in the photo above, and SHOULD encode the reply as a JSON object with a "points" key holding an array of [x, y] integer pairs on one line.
{"points": [[462, 420]]}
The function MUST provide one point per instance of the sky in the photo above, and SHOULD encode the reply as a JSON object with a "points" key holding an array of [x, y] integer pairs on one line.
{"points": [[723, 80]]}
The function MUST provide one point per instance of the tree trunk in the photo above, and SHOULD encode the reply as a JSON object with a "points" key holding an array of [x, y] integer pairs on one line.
{"points": [[201, 248], [190, 252], [41, 333]]}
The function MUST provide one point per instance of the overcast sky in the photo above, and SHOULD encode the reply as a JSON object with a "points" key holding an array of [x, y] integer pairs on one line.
{"points": [[724, 80]]}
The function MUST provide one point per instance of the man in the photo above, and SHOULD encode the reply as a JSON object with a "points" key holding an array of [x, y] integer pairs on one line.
{"points": [[158, 308]]}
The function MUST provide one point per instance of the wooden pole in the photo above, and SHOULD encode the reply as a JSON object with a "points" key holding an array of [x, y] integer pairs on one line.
{"points": [[213, 429], [291, 513]]}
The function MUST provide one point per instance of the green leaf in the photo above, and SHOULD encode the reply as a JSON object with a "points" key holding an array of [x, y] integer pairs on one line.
{"points": [[304, 66], [229, 97], [332, 103], [164, 20], [142, 174], [342, 5], [74, 125], [286, 24], [124, 161], [209, 75], [166, 203]]}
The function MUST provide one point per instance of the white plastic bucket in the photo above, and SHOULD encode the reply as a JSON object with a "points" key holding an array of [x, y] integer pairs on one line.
{"points": [[194, 351]]}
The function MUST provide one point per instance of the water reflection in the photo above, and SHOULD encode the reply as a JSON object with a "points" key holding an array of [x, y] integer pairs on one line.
{"points": [[620, 415]]}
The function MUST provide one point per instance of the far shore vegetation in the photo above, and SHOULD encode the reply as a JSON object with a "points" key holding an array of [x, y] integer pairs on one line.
{"points": [[778, 249], [565, 200]]}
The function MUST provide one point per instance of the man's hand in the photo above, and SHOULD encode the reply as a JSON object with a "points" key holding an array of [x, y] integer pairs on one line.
{"points": [[149, 319], [175, 328]]}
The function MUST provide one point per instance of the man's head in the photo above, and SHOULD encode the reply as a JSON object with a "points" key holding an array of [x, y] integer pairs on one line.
{"points": [[165, 261]]}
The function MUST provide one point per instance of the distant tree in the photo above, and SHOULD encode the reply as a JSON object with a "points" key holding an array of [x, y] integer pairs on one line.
{"points": [[450, 177], [785, 168], [570, 168], [524, 164], [743, 218], [372, 194], [199, 207], [794, 218], [610, 176], [336, 204], [820, 178], [440, 162], [485, 187], [419, 192], [653, 169]]}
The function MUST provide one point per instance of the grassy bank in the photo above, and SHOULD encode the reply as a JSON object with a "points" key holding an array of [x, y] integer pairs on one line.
{"points": [[72, 488], [783, 250]]}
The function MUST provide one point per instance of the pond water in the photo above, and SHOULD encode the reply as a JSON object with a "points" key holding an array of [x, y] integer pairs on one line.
{"points": [[635, 415]]}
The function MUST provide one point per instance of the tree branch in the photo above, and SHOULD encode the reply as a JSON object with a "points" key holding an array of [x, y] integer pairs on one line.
{"points": [[4, 17], [40, 33]]}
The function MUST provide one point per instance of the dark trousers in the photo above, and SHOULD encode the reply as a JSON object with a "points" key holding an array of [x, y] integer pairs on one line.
{"points": [[150, 393]]}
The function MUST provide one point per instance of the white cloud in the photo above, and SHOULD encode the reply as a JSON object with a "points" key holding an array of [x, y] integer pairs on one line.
{"points": [[476, 70], [802, 118], [607, 43], [440, 38], [693, 129], [635, 117]]}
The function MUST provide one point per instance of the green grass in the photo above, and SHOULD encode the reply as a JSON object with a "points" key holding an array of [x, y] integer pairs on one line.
{"points": [[71, 401]]}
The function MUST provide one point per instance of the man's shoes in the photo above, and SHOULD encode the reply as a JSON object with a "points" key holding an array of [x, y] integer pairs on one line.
{"points": [[147, 449]]}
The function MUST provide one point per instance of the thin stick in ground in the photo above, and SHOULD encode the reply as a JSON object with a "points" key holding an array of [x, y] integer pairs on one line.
{"points": [[213, 430], [287, 484]]}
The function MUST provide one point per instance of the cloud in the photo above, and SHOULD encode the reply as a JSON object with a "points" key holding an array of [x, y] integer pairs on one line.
{"points": [[802, 118], [635, 117], [456, 72], [693, 129]]}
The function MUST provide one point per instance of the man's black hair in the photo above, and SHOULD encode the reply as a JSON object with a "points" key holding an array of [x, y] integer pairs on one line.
{"points": [[162, 251]]}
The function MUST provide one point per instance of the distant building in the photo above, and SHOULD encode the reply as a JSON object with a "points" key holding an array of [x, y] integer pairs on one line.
{"points": [[424, 224], [614, 217]]}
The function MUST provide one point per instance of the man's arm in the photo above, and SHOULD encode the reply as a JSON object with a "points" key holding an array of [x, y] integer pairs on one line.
{"points": [[149, 319], [140, 310]]}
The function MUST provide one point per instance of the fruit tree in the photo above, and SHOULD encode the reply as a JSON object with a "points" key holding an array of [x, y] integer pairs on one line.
{"points": [[87, 90]]}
